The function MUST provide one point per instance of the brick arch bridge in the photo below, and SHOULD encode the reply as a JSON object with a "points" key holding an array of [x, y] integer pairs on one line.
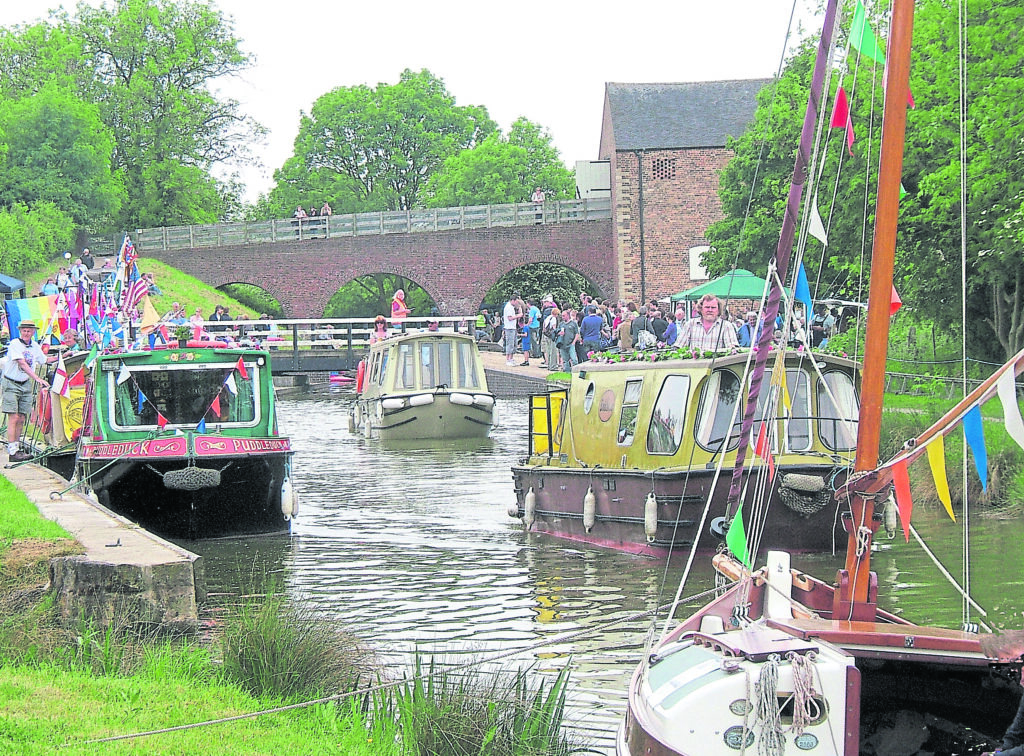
{"points": [[455, 267]]}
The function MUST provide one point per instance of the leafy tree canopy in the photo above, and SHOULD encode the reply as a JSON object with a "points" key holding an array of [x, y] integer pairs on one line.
{"points": [[928, 258], [502, 170]]}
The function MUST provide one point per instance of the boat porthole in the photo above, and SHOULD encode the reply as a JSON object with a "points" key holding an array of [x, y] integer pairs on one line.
{"points": [[588, 398], [806, 742], [733, 737], [740, 707]]}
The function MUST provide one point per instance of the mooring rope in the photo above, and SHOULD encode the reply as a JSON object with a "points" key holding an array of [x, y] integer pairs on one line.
{"points": [[563, 638]]}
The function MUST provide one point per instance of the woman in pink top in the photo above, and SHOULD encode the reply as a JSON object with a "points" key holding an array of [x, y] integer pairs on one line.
{"points": [[398, 310]]}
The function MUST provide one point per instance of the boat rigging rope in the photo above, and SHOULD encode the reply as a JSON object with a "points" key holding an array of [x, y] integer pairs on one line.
{"points": [[476, 662], [772, 741], [805, 708]]}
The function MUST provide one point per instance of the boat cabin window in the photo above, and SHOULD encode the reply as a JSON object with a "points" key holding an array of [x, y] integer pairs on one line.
{"points": [[444, 363], [796, 419], [630, 405], [588, 398], [184, 396], [837, 420], [669, 416], [428, 365], [717, 403], [469, 377], [382, 357], [405, 369]]}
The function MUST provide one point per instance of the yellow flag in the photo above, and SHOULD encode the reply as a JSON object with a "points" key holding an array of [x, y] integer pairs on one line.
{"points": [[149, 316], [937, 461], [779, 379]]}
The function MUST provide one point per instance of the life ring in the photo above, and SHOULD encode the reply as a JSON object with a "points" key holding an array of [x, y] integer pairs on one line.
{"points": [[360, 376]]}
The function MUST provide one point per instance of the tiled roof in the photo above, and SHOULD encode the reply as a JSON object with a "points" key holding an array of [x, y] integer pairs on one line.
{"points": [[679, 116]]}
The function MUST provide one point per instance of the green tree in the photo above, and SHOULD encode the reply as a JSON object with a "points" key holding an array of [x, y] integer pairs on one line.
{"points": [[295, 184], [535, 280], [58, 150], [502, 170], [370, 295], [29, 236], [387, 141]]}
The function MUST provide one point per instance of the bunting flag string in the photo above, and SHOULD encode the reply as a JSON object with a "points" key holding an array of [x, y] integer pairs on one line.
{"points": [[816, 228], [802, 291], [862, 38], [937, 461], [762, 448], [904, 504], [895, 303], [201, 427], [975, 436], [841, 118], [124, 374], [230, 384], [142, 399], [240, 367]]}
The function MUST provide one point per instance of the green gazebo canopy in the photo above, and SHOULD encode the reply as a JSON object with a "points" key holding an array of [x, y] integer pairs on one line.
{"points": [[737, 284]]}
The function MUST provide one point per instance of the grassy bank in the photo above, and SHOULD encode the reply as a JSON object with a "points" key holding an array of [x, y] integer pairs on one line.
{"points": [[62, 686]]}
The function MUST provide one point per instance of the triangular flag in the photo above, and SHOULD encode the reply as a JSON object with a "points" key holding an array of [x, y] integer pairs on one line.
{"points": [[1007, 390], [904, 504], [763, 450], [937, 461], [215, 407], [976, 440], [240, 367], [142, 400], [150, 318], [92, 356], [803, 291], [895, 303], [841, 117], [201, 428], [231, 385], [60, 378], [816, 227], [736, 539], [161, 421], [124, 375], [862, 38]]}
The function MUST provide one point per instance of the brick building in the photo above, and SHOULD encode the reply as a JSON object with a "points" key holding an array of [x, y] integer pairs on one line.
{"points": [[665, 144]]}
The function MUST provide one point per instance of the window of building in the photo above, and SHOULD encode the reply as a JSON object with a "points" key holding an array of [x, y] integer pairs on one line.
{"points": [[697, 270]]}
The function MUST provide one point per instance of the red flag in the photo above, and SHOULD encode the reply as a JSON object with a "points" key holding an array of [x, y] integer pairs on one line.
{"points": [[240, 367], [841, 117], [161, 421], [762, 449], [215, 407], [904, 504], [78, 379], [895, 303]]}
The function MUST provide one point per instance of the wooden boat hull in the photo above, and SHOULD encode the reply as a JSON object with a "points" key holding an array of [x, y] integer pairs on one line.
{"points": [[424, 416], [621, 501]]}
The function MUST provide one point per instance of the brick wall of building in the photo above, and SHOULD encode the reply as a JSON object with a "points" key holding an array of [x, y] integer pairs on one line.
{"points": [[680, 200], [455, 267]]}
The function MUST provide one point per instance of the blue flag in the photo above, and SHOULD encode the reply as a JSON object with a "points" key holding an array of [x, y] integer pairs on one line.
{"points": [[976, 440], [142, 400], [201, 428], [803, 291]]}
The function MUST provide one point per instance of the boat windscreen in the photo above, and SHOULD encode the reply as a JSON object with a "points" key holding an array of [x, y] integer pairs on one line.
{"points": [[468, 372], [667, 422], [183, 395], [837, 421]]}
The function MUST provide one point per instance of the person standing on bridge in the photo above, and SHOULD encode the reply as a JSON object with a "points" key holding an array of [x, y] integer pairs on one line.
{"points": [[399, 312], [538, 201]]}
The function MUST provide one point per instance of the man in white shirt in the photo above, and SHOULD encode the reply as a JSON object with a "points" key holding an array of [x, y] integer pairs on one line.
{"points": [[510, 316], [17, 385], [707, 333]]}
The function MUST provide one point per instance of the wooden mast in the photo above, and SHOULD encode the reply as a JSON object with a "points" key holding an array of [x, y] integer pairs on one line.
{"points": [[857, 586]]}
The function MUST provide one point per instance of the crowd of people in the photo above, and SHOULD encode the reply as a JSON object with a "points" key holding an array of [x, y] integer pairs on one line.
{"points": [[560, 337]]}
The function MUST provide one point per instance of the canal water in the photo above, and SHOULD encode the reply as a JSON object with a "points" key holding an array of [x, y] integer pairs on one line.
{"points": [[412, 549]]}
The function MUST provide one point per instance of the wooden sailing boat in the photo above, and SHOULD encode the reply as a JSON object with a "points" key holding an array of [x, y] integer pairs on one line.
{"points": [[782, 659]]}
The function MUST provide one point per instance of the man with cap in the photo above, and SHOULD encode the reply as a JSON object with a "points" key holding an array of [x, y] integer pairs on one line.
{"points": [[17, 385]]}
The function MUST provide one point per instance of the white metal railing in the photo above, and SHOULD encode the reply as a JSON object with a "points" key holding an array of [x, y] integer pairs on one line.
{"points": [[367, 224]]}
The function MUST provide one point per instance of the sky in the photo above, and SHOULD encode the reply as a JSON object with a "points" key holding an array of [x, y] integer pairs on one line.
{"points": [[548, 62]]}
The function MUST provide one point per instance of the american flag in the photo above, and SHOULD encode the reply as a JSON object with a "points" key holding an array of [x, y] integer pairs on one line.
{"points": [[128, 254], [137, 289]]}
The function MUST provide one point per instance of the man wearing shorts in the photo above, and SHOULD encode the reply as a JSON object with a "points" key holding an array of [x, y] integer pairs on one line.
{"points": [[18, 385]]}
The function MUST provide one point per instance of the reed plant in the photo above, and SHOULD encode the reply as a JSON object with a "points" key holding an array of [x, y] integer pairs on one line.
{"points": [[455, 712], [273, 647]]}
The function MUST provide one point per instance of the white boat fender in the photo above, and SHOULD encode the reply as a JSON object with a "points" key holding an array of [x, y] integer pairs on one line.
{"points": [[589, 509], [289, 500], [457, 397], [357, 414], [494, 415], [529, 508], [483, 400], [421, 400], [394, 402], [513, 511], [889, 517], [651, 517]]}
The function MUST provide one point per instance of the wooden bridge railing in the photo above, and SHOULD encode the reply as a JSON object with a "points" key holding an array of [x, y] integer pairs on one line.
{"points": [[367, 224]]}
